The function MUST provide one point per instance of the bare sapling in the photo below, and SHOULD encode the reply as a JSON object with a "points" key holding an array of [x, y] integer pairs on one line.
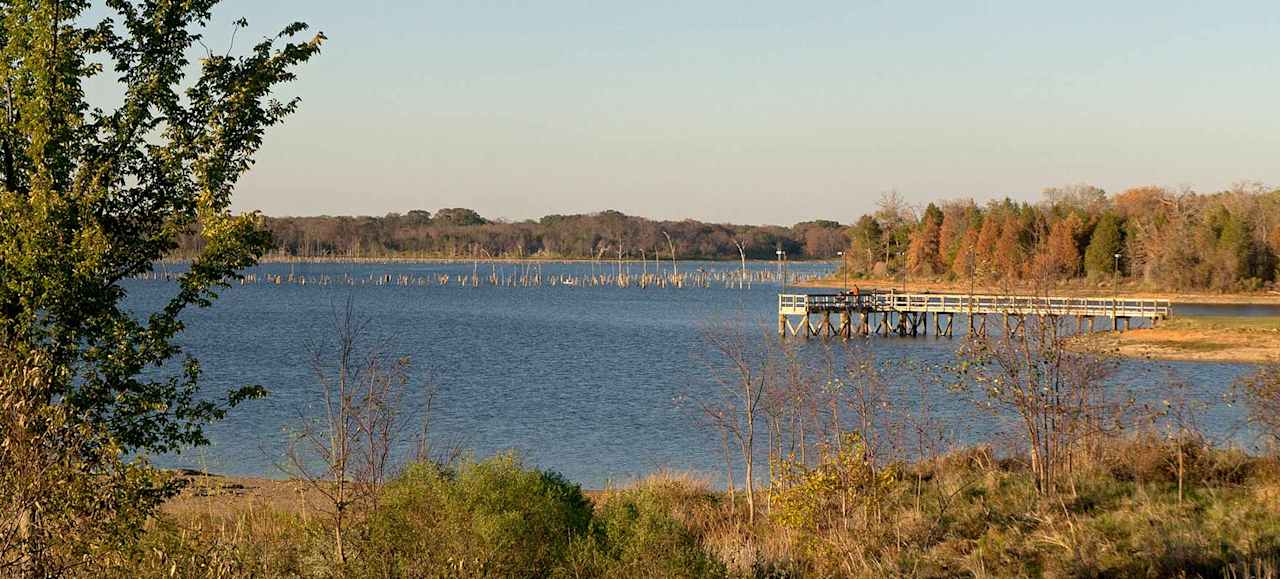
{"points": [[860, 393], [426, 447], [1181, 417], [864, 392], [741, 364], [1056, 397], [1262, 395], [792, 403], [343, 450]]}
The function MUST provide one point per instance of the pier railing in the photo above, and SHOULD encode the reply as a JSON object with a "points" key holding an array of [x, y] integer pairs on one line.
{"points": [[801, 304]]}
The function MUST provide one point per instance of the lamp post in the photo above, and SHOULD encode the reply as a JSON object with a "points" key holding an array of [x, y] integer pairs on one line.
{"points": [[781, 279], [1115, 293], [844, 267], [903, 255]]}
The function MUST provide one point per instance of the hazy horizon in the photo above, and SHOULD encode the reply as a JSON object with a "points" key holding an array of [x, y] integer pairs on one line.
{"points": [[759, 113], [870, 204]]}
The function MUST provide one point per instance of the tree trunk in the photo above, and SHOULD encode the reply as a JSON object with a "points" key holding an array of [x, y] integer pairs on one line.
{"points": [[728, 469], [748, 472]]}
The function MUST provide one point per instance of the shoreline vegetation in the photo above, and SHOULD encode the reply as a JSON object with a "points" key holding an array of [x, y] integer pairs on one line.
{"points": [[1143, 506], [1227, 241], [663, 261], [1079, 482]]}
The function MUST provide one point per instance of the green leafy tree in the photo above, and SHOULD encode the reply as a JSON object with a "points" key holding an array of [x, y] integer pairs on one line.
{"points": [[865, 243], [458, 216], [90, 197], [932, 214]]}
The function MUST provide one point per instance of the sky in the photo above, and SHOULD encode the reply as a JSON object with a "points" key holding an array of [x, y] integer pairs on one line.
{"points": [[759, 112]]}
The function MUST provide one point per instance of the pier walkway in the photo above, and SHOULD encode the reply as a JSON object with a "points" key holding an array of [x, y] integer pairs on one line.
{"points": [[908, 314]]}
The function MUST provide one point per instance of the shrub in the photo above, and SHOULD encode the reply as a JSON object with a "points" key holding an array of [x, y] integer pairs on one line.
{"points": [[636, 534], [844, 493], [493, 518]]}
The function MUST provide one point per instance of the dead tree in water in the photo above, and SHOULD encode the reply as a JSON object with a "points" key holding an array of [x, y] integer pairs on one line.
{"points": [[742, 253], [672, 245]]}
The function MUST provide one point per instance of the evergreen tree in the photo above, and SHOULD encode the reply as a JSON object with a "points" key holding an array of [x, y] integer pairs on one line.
{"points": [[1106, 241], [1235, 245]]}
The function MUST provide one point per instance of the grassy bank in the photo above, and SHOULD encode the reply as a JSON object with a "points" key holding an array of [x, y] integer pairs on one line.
{"points": [[1130, 511]]}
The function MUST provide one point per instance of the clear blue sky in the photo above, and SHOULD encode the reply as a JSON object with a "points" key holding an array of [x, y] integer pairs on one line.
{"points": [[761, 112]]}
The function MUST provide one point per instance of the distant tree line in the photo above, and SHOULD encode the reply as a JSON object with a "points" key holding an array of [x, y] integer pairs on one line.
{"points": [[1176, 239], [1159, 237], [460, 232]]}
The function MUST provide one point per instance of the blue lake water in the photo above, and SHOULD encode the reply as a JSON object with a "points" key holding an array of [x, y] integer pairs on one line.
{"points": [[588, 381]]}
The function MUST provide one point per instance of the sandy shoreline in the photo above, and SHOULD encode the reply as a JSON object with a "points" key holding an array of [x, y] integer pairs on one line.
{"points": [[1235, 345]]}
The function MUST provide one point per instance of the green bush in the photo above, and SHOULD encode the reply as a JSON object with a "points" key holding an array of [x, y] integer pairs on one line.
{"points": [[494, 518], [498, 518], [636, 535]]}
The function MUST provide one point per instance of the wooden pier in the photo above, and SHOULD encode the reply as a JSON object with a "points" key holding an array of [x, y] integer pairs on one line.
{"points": [[886, 313]]}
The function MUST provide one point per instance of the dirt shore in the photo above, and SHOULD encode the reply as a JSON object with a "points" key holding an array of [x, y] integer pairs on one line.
{"points": [[1071, 290], [1206, 339], [231, 496]]}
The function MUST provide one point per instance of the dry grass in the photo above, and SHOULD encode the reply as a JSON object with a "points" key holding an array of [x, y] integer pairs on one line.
{"points": [[207, 493], [677, 481], [1247, 324]]}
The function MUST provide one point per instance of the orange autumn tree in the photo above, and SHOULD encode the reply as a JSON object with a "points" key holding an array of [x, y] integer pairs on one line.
{"points": [[922, 254], [1062, 252]]}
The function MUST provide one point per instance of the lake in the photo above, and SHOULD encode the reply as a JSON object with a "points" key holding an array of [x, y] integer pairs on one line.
{"points": [[592, 382]]}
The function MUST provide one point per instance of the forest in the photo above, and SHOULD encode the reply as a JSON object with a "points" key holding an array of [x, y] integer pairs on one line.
{"points": [[459, 232], [1150, 236], [1177, 239]]}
